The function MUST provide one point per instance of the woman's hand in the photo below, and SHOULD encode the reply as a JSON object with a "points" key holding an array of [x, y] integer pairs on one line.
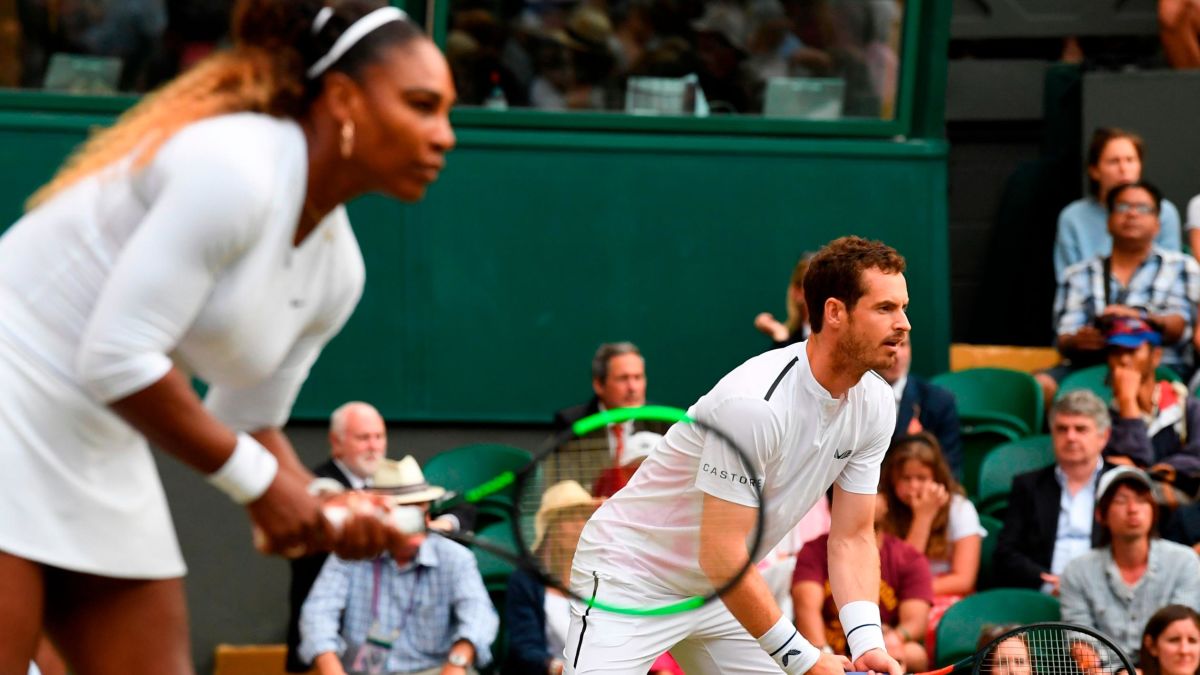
{"points": [[287, 519]]}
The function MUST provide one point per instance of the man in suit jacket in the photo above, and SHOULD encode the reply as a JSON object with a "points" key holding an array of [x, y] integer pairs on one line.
{"points": [[618, 381], [921, 406], [1047, 526]]}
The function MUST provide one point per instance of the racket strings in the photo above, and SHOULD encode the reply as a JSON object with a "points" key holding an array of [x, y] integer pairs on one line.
{"points": [[1050, 651], [558, 499]]}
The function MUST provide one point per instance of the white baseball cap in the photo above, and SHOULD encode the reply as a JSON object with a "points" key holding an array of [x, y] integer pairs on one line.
{"points": [[639, 446]]}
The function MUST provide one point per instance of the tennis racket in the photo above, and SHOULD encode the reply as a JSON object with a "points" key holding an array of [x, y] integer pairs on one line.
{"points": [[545, 543], [1050, 648]]}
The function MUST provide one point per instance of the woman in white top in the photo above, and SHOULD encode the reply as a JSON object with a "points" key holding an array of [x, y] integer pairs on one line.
{"points": [[201, 235], [927, 508]]}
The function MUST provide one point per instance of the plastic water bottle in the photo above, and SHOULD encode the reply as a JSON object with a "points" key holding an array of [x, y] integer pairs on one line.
{"points": [[496, 99]]}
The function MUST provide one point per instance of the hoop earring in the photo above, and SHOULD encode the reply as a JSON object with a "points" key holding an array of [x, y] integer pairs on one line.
{"points": [[347, 145]]}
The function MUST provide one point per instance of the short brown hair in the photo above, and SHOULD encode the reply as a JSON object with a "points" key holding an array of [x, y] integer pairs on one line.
{"points": [[836, 272]]}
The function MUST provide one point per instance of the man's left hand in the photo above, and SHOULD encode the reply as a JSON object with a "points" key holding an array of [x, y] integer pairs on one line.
{"points": [[878, 661]]}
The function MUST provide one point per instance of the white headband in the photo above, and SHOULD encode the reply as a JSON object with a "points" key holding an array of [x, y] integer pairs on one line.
{"points": [[357, 31]]}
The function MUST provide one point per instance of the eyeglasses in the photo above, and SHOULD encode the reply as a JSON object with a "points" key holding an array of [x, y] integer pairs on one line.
{"points": [[1140, 209]]}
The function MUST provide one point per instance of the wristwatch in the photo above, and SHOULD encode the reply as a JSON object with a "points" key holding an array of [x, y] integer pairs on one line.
{"points": [[457, 660]]}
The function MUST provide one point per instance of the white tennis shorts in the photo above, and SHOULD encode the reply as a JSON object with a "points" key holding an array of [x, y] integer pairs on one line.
{"points": [[703, 641]]}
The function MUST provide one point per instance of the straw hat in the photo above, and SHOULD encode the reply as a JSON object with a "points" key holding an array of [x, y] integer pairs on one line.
{"points": [[404, 482], [563, 495]]}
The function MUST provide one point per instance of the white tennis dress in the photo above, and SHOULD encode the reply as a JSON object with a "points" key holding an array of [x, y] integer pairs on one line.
{"points": [[189, 261], [641, 546]]}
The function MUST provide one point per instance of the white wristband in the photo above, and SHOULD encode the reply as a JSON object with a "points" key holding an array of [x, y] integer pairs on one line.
{"points": [[248, 472], [864, 630], [788, 647]]}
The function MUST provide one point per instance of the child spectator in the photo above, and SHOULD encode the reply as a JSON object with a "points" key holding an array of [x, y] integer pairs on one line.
{"points": [[929, 510]]}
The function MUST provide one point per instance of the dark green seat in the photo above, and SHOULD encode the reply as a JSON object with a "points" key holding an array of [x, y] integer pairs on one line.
{"points": [[469, 466], [996, 396], [978, 439], [493, 568], [1004, 463], [987, 550], [958, 630], [1095, 378]]}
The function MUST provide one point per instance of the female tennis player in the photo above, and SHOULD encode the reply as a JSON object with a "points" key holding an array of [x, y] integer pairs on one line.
{"points": [[809, 416], [202, 234]]}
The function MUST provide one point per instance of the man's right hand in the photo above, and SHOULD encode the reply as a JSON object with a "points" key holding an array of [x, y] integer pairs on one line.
{"points": [[878, 661], [830, 664]]}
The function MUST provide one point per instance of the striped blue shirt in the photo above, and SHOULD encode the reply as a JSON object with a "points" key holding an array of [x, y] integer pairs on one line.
{"points": [[1166, 282], [428, 605]]}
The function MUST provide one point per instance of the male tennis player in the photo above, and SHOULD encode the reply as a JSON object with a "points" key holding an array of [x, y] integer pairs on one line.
{"points": [[809, 416]]}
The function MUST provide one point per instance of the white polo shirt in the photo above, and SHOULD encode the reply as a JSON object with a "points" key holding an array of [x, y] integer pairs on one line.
{"points": [[799, 440]]}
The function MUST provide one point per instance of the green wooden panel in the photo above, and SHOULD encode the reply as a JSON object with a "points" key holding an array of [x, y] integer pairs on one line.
{"points": [[486, 301]]}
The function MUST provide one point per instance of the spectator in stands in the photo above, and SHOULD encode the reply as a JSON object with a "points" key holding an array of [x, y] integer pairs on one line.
{"points": [[928, 509], [619, 381], [1171, 642], [421, 607], [1115, 588], [1179, 29], [725, 77], [634, 33], [1138, 280], [1192, 225], [1154, 421], [128, 31], [795, 327], [1010, 657], [1051, 511], [921, 406], [579, 64], [537, 617], [358, 445], [1114, 158], [905, 595]]}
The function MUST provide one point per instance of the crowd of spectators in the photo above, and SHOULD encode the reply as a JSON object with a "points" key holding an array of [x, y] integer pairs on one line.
{"points": [[569, 55], [540, 54]]}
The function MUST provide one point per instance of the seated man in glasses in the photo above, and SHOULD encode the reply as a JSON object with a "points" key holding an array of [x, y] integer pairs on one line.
{"points": [[1137, 280]]}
